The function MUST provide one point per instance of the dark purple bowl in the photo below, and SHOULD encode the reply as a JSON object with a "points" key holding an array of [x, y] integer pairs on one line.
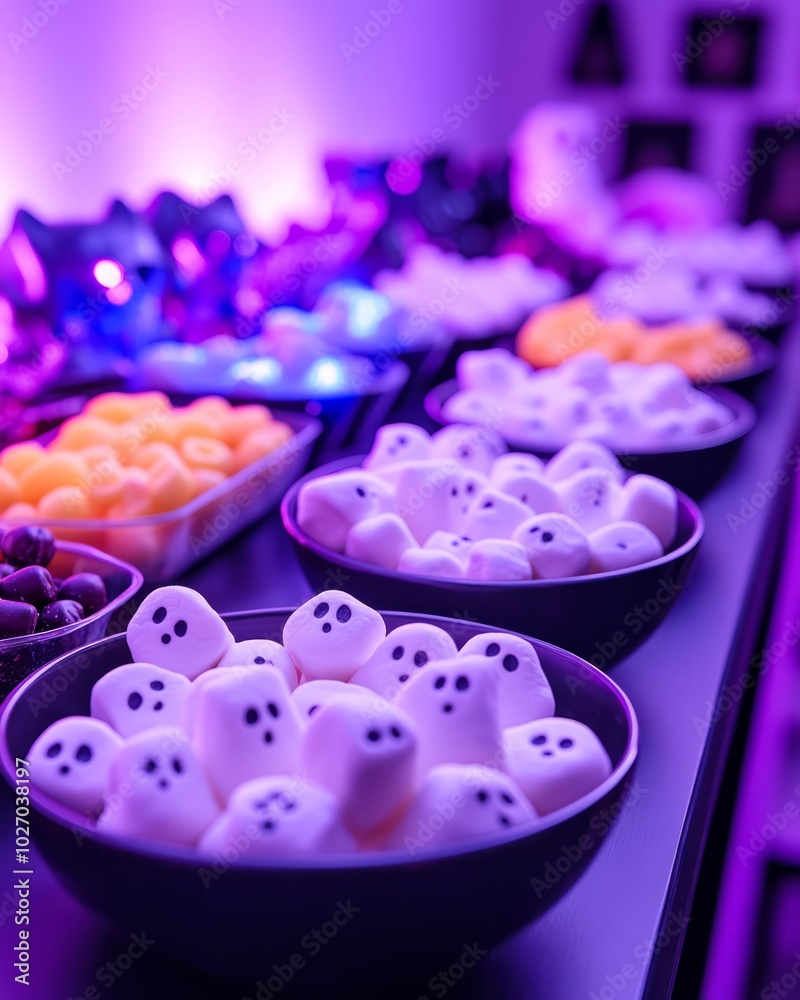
{"points": [[406, 911], [694, 467], [747, 377], [595, 616], [23, 654]]}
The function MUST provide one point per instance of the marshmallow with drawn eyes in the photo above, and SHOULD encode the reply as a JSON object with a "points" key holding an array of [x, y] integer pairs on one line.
{"points": [[402, 653], [398, 443], [497, 371], [431, 562], [176, 628], [430, 496], [457, 802], [332, 635], [329, 506], [498, 559], [363, 751], [555, 761], [157, 789], [529, 488], [447, 541], [471, 446], [493, 514], [454, 707], [246, 725], [653, 503], [380, 540], [524, 692], [278, 816], [622, 544], [515, 463], [473, 406], [311, 696], [261, 653], [139, 696], [70, 762], [590, 497], [555, 546], [580, 455]]}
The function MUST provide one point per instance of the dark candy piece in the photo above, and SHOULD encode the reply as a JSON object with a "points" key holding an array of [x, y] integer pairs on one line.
{"points": [[87, 589], [17, 619], [31, 584], [5, 570], [28, 546], [58, 614]]}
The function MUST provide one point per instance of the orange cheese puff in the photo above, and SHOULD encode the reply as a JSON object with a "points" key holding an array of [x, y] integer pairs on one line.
{"points": [[116, 407], [171, 484], [59, 468], [189, 423], [150, 402], [21, 512], [107, 485], [9, 490], [241, 421], [261, 442], [555, 333], [206, 453], [67, 502], [83, 432], [99, 456], [207, 479], [146, 456], [213, 407], [17, 458]]}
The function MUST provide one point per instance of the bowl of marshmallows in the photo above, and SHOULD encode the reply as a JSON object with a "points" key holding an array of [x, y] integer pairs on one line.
{"points": [[234, 784], [575, 551]]}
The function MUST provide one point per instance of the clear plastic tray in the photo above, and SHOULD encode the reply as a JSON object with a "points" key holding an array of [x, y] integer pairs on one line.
{"points": [[162, 546]]}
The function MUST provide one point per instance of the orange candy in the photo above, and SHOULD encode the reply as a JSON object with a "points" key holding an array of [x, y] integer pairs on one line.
{"points": [[9, 490], [206, 453], [51, 470], [21, 512], [207, 479], [16, 458], [241, 421], [67, 502], [85, 431], [260, 443], [171, 484]]}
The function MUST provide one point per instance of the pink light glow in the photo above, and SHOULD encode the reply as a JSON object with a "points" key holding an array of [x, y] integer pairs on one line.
{"points": [[188, 256], [29, 267], [403, 176], [108, 273], [218, 243], [119, 294]]}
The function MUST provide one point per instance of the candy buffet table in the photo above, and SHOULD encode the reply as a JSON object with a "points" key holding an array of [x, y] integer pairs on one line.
{"points": [[620, 930]]}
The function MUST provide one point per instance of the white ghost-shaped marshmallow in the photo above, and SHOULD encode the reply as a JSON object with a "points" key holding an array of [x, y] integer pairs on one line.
{"points": [[447, 541], [398, 443], [555, 761], [497, 371], [380, 540], [402, 653], [332, 635], [278, 816], [139, 696], [70, 762], [653, 503], [498, 559], [329, 506], [458, 802], [471, 446], [157, 789], [363, 751], [430, 496], [555, 546], [622, 544], [515, 463], [524, 692], [311, 696], [590, 497], [431, 562], [176, 628], [261, 653], [493, 514], [580, 455]]}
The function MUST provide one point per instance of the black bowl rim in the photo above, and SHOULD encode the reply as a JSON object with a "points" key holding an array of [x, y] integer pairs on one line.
{"points": [[79, 549], [763, 358], [744, 417], [193, 858], [289, 519]]}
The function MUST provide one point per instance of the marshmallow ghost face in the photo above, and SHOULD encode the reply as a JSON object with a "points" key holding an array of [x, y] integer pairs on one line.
{"points": [[177, 629], [278, 816], [472, 447], [398, 443], [621, 545], [402, 653], [329, 506], [332, 635], [261, 653], [430, 497], [139, 696], [380, 540], [157, 789], [523, 690], [363, 751], [498, 559], [653, 503], [431, 562], [555, 761], [456, 545], [310, 697], [555, 546], [493, 514], [590, 498], [453, 705], [70, 762], [581, 455], [473, 802], [246, 726]]}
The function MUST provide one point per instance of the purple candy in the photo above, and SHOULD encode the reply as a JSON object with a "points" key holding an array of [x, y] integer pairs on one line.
{"points": [[28, 546], [59, 613], [5, 570], [31, 585], [17, 619], [87, 589]]}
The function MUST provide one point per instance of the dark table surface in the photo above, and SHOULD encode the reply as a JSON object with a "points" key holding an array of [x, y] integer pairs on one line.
{"points": [[619, 931]]}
